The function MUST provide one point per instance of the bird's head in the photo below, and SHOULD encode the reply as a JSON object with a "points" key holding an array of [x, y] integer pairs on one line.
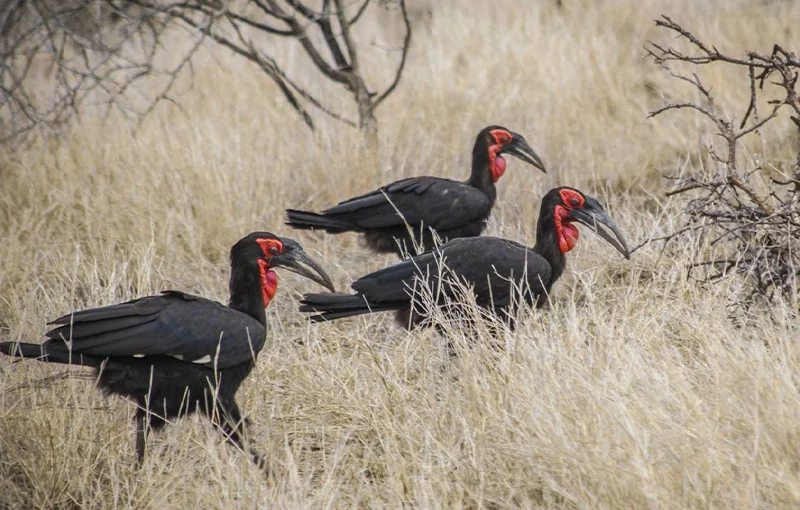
{"points": [[497, 140], [271, 252], [568, 205]]}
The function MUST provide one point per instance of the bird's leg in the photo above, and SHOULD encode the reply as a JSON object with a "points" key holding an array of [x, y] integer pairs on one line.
{"points": [[231, 425], [141, 435]]}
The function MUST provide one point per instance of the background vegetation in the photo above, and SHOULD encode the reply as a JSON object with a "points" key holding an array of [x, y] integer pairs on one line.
{"points": [[635, 390]]}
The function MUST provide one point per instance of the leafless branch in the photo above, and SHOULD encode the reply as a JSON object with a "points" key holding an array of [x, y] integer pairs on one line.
{"points": [[756, 232], [360, 11], [402, 65], [113, 52]]}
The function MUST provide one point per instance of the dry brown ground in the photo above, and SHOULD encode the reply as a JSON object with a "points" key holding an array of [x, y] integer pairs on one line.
{"points": [[633, 391]]}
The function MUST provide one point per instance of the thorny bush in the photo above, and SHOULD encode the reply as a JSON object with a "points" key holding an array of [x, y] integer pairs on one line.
{"points": [[743, 222]]}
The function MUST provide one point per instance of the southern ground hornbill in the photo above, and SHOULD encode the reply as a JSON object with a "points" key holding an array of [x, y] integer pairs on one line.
{"points": [[175, 353], [450, 208], [494, 268]]}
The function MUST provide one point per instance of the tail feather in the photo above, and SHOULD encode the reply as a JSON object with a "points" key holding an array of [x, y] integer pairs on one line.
{"points": [[41, 352], [305, 220], [339, 306]]}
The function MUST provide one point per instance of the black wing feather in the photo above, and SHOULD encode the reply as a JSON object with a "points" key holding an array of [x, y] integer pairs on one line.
{"points": [[429, 201], [494, 268], [101, 343], [143, 306], [490, 264], [82, 329], [177, 324]]}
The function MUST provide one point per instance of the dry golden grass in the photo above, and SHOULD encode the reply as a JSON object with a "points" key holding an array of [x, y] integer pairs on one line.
{"points": [[633, 391]]}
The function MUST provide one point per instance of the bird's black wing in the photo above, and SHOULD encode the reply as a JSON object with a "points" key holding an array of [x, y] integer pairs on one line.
{"points": [[493, 267], [187, 327], [428, 201]]}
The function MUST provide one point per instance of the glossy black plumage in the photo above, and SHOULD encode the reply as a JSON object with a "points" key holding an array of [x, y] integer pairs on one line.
{"points": [[495, 269], [450, 208], [178, 321], [175, 353]]}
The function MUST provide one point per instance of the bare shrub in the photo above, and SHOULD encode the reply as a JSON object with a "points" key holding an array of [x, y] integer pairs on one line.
{"points": [[748, 218]]}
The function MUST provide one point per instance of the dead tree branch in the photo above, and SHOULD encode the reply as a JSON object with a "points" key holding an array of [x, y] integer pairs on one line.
{"points": [[748, 223], [59, 57]]}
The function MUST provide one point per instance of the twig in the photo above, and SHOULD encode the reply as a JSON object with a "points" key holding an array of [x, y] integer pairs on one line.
{"points": [[110, 67], [753, 233]]}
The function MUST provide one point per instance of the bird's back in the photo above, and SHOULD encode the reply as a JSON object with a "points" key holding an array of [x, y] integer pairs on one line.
{"points": [[494, 270], [188, 328], [489, 264], [432, 202]]}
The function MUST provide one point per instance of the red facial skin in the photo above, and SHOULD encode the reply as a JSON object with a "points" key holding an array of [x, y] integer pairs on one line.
{"points": [[497, 164], [269, 278], [566, 232]]}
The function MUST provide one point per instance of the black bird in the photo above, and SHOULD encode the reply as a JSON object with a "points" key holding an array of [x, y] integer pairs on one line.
{"points": [[175, 353], [494, 268], [450, 208]]}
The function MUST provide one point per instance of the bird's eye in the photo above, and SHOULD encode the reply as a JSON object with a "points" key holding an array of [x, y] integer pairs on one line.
{"points": [[574, 202], [274, 250]]}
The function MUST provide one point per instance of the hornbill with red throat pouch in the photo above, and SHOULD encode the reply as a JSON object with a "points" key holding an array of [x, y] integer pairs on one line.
{"points": [[175, 353], [495, 269], [450, 208]]}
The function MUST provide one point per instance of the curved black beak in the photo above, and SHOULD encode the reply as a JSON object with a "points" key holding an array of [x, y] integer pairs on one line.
{"points": [[595, 217], [519, 148], [294, 259]]}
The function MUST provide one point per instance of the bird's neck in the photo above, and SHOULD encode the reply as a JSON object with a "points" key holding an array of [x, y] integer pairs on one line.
{"points": [[485, 170], [547, 244], [247, 290]]}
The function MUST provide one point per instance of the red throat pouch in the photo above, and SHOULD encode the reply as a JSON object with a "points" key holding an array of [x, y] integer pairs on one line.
{"points": [[269, 282], [499, 168], [566, 232], [497, 163]]}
